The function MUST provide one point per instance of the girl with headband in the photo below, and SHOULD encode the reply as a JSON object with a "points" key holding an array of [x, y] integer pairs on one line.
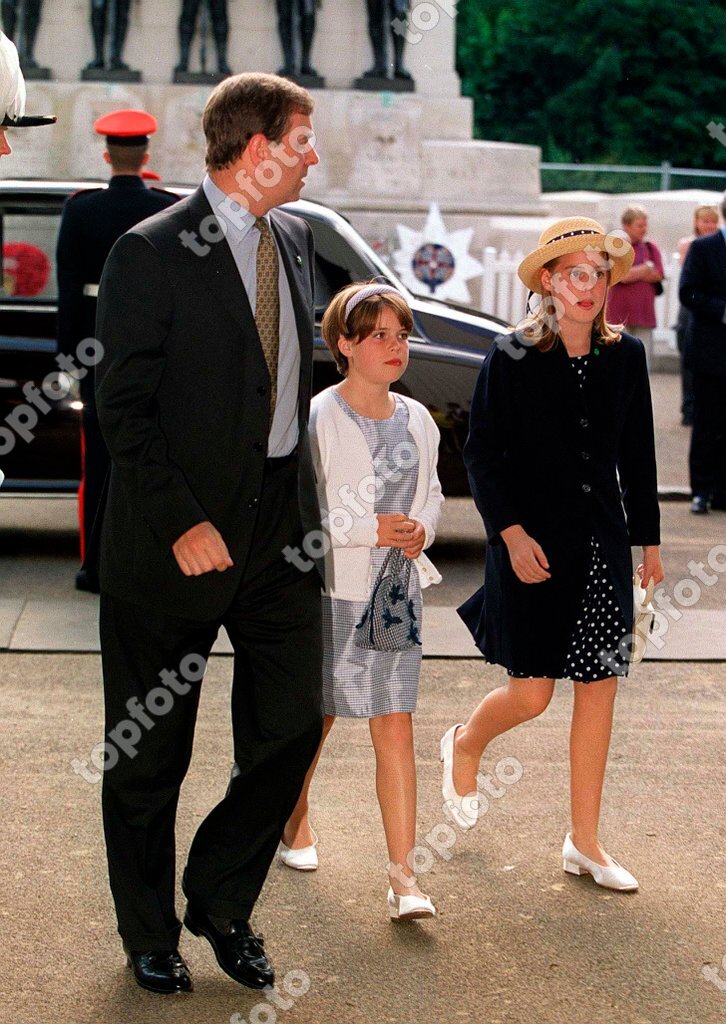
{"points": [[561, 462], [375, 455]]}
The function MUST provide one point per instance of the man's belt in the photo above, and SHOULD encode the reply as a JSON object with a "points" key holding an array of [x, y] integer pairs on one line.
{"points": [[91, 291]]}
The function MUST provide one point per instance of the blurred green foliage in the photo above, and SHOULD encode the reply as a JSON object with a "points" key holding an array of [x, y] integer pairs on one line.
{"points": [[599, 81]]}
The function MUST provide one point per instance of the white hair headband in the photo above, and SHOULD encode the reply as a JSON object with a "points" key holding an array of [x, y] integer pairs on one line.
{"points": [[366, 293]]}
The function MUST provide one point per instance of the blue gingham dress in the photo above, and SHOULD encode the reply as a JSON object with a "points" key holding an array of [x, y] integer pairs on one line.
{"points": [[599, 626], [359, 683]]}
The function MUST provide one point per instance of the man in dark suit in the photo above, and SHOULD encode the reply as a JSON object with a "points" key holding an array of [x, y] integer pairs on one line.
{"points": [[703, 291], [206, 318], [92, 221]]}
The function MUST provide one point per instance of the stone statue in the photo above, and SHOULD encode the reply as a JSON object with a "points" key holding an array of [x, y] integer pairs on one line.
{"points": [[29, 10], [300, 14], [111, 15], [386, 15], [220, 30]]}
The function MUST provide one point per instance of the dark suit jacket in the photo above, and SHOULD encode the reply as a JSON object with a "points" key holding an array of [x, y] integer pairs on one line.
{"points": [[703, 291], [92, 221], [544, 454], [183, 402]]}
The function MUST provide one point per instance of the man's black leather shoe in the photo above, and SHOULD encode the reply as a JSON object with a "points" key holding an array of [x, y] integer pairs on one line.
{"points": [[699, 505], [164, 972], [238, 950], [718, 502]]}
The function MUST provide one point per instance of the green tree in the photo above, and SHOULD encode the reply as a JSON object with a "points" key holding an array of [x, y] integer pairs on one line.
{"points": [[631, 81]]}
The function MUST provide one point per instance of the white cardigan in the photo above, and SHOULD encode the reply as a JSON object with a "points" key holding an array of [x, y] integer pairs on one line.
{"points": [[346, 482]]}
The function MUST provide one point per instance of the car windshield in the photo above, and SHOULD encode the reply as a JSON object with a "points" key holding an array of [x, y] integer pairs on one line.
{"points": [[28, 256], [338, 263]]}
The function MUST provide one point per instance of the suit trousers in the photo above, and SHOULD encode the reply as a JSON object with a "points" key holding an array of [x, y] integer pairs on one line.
{"points": [[153, 666], [707, 456]]}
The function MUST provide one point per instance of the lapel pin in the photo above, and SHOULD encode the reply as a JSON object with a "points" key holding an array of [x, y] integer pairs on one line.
{"points": [[298, 260], [596, 351]]}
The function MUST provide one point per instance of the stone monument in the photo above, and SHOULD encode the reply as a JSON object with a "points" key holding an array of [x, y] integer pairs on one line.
{"points": [[386, 156]]}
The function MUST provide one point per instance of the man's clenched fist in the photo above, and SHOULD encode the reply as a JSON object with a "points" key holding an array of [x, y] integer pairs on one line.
{"points": [[201, 550]]}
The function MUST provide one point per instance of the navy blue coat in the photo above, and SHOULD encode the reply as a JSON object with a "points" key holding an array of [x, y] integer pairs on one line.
{"points": [[545, 454], [703, 291]]}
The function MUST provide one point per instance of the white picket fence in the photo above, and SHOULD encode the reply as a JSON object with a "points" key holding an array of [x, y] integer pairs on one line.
{"points": [[504, 295]]}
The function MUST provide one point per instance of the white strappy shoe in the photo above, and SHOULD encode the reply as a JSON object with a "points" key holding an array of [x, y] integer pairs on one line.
{"points": [[407, 908], [304, 859], [463, 810], [614, 876]]}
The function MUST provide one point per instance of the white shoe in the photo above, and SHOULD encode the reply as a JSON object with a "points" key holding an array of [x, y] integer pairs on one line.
{"points": [[463, 810], [406, 908], [614, 876], [304, 859]]}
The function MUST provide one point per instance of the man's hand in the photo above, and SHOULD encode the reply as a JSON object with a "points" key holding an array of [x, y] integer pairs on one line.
{"points": [[528, 560], [416, 541], [201, 550], [395, 531]]}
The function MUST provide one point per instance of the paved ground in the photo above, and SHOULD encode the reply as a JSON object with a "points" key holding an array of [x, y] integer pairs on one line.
{"points": [[517, 940]]}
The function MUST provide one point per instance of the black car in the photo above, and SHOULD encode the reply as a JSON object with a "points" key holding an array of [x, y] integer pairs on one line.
{"points": [[40, 447]]}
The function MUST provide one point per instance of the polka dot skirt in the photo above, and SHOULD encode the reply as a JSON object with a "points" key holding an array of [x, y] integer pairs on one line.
{"points": [[599, 627], [593, 652]]}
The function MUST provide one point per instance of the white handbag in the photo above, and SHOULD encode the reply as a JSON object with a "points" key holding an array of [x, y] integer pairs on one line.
{"points": [[643, 616]]}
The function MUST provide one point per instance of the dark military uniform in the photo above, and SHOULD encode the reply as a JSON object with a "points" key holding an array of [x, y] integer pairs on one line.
{"points": [[93, 220]]}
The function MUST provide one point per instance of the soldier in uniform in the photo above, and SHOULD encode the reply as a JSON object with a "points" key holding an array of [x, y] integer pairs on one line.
{"points": [[383, 14], [288, 13], [12, 96], [93, 220]]}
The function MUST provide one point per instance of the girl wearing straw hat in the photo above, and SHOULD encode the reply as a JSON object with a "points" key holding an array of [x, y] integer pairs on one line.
{"points": [[561, 410]]}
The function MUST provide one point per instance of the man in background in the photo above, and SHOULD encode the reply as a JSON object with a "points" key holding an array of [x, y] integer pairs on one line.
{"points": [[705, 222], [703, 292], [93, 220], [632, 301], [203, 395]]}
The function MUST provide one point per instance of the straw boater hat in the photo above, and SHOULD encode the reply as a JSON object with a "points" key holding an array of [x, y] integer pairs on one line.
{"points": [[12, 91], [575, 234]]}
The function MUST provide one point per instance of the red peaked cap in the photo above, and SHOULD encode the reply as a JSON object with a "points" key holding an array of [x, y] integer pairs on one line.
{"points": [[126, 127]]}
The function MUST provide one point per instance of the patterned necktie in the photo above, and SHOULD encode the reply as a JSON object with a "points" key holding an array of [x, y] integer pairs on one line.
{"points": [[267, 309]]}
